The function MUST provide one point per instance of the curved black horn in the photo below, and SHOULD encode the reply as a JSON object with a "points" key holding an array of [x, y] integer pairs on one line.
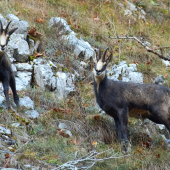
{"points": [[1, 29], [103, 58], [100, 53], [7, 26]]}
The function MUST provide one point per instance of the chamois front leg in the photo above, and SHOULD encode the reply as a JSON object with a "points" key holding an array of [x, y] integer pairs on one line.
{"points": [[13, 87], [6, 92], [121, 125]]}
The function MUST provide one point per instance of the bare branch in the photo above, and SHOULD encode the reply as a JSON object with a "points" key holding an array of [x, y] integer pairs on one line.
{"points": [[160, 55], [89, 160]]}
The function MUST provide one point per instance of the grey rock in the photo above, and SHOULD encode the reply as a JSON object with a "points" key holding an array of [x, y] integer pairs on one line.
{"points": [[32, 114], [15, 124], [61, 25], [64, 84], [24, 67], [5, 131], [27, 103], [135, 77], [166, 63], [43, 74], [12, 17], [125, 73], [79, 45], [23, 80], [62, 126], [22, 26], [3, 20], [20, 47], [159, 80], [2, 99]]}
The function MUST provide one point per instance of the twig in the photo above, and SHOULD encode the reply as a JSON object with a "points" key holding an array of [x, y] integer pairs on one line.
{"points": [[160, 55], [89, 160]]}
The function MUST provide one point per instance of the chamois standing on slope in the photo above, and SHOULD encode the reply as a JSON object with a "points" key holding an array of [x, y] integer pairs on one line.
{"points": [[6, 74], [118, 99]]}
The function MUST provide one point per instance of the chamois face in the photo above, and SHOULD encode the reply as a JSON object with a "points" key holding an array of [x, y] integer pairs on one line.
{"points": [[4, 35], [100, 64]]}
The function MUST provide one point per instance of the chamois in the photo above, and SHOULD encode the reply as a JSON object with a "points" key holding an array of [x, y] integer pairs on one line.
{"points": [[122, 99], [6, 73]]}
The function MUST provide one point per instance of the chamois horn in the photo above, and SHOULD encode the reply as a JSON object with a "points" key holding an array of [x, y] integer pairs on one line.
{"points": [[103, 58], [6, 29]]}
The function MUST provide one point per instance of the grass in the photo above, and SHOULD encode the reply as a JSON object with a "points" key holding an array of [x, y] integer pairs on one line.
{"points": [[45, 145]]}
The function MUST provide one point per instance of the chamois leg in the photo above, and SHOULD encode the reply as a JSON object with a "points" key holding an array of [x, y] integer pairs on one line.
{"points": [[161, 115], [13, 87], [6, 92], [121, 126]]}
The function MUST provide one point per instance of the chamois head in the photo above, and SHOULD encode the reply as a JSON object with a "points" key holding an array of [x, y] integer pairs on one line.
{"points": [[4, 35], [100, 62]]}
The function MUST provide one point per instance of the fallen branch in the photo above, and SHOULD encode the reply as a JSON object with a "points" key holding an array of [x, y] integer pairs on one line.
{"points": [[89, 160], [160, 55]]}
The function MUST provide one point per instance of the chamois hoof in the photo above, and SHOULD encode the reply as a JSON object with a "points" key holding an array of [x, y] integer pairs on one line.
{"points": [[125, 147]]}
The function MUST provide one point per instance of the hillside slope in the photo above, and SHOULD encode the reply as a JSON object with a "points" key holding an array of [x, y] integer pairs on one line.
{"points": [[73, 129]]}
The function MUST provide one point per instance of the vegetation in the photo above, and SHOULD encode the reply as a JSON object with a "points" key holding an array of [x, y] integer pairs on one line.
{"points": [[42, 142]]}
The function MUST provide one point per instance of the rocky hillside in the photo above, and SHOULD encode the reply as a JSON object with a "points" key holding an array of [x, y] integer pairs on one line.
{"points": [[59, 124]]}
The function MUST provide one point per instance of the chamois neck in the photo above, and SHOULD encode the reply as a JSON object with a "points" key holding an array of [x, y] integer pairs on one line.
{"points": [[99, 78], [1, 53]]}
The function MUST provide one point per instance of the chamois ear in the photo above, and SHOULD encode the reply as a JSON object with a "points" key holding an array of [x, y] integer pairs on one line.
{"points": [[11, 31], [95, 56], [109, 58]]}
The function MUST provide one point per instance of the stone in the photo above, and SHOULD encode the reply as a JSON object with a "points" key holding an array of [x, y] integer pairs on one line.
{"points": [[20, 47], [26, 102], [24, 67], [5, 131], [64, 84], [124, 72], [43, 75], [79, 45], [32, 114], [22, 26], [159, 80], [23, 80]]}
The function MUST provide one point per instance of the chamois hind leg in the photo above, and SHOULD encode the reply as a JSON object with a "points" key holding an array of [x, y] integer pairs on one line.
{"points": [[5, 84], [13, 87], [162, 116]]}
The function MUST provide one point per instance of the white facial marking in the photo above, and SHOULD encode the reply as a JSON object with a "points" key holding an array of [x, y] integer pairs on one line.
{"points": [[3, 39], [99, 65]]}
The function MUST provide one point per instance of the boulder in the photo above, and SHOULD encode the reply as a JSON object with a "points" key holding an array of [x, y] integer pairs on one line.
{"points": [[22, 26], [79, 45], [23, 80], [32, 114], [43, 75], [20, 47], [124, 72], [64, 84], [27, 103]]}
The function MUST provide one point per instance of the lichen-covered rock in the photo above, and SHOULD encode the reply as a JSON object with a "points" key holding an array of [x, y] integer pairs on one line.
{"points": [[79, 45], [64, 84], [32, 114], [26, 103], [23, 80], [20, 47], [22, 26], [124, 72], [43, 75]]}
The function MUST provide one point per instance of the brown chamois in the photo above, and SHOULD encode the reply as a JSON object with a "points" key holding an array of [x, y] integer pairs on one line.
{"points": [[6, 73], [122, 99]]}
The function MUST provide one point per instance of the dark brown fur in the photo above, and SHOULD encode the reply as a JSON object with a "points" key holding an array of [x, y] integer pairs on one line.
{"points": [[6, 74], [120, 99]]}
